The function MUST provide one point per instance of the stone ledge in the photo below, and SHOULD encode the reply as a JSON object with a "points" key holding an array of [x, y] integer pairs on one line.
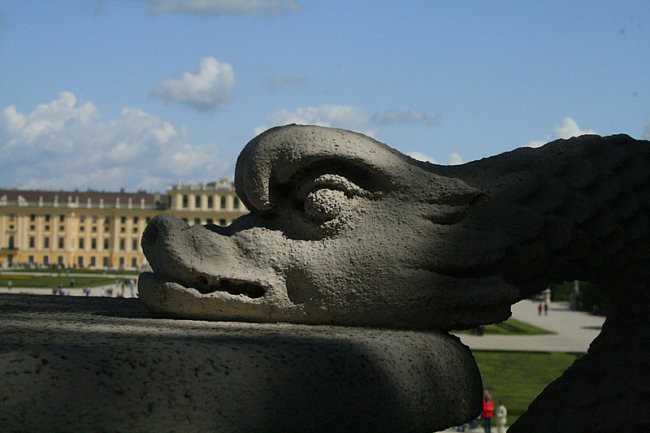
{"points": [[105, 365]]}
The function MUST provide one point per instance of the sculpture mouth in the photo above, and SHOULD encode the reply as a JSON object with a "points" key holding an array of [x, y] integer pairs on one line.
{"points": [[209, 287], [229, 285]]}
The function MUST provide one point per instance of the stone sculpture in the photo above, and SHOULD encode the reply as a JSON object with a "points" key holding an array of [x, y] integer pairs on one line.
{"points": [[344, 230]]}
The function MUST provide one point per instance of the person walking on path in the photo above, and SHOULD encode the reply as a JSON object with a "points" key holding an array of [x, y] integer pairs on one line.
{"points": [[500, 415], [488, 411]]}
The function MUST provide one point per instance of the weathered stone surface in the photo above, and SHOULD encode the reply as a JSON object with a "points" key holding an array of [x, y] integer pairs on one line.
{"points": [[344, 230], [104, 365]]}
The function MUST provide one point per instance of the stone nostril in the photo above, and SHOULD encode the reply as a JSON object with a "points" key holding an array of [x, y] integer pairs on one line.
{"points": [[150, 235]]}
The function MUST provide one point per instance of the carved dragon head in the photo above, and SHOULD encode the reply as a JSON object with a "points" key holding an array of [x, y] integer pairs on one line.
{"points": [[345, 230], [342, 230]]}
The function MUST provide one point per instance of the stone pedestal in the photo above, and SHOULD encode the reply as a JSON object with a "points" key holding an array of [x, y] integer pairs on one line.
{"points": [[104, 365]]}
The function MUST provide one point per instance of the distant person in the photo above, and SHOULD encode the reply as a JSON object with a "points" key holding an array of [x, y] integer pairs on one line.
{"points": [[10, 284], [488, 411], [501, 417], [547, 299]]}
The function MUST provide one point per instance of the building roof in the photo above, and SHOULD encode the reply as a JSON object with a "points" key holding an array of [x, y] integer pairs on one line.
{"points": [[84, 199]]}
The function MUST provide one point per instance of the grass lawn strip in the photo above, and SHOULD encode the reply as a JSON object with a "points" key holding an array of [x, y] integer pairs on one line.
{"points": [[50, 281], [509, 327], [516, 378]]}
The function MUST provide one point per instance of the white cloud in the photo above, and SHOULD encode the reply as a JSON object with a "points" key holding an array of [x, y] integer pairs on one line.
{"points": [[409, 116], [212, 85], [421, 157], [567, 128], [347, 117], [221, 7], [342, 116], [455, 159], [64, 144]]}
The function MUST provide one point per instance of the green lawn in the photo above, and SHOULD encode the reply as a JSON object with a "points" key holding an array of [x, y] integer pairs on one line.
{"points": [[50, 281], [516, 378], [71, 271], [510, 326]]}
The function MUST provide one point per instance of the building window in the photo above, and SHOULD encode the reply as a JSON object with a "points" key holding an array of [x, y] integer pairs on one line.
{"points": [[32, 227], [134, 244], [80, 261], [235, 202], [82, 218], [32, 217], [106, 243], [185, 202], [107, 220], [61, 242], [222, 222], [59, 260], [82, 228], [135, 220], [93, 229], [46, 242], [47, 228], [121, 262], [135, 230], [92, 261], [61, 228], [81, 243], [210, 202], [93, 243], [32, 241], [123, 220], [30, 259], [209, 221], [105, 262], [11, 217], [61, 218], [94, 219], [122, 244], [134, 262], [47, 218], [46, 260], [223, 202], [197, 221], [197, 202]]}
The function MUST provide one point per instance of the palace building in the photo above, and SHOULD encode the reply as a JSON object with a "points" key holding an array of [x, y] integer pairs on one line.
{"points": [[101, 229]]}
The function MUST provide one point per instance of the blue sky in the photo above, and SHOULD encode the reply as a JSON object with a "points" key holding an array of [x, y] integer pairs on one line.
{"points": [[140, 94]]}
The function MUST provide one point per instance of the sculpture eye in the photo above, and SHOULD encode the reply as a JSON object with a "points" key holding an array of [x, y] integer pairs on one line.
{"points": [[325, 197], [324, 204]]}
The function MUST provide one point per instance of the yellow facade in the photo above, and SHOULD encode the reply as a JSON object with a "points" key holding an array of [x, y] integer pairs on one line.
{"points": [[101, 229]]}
